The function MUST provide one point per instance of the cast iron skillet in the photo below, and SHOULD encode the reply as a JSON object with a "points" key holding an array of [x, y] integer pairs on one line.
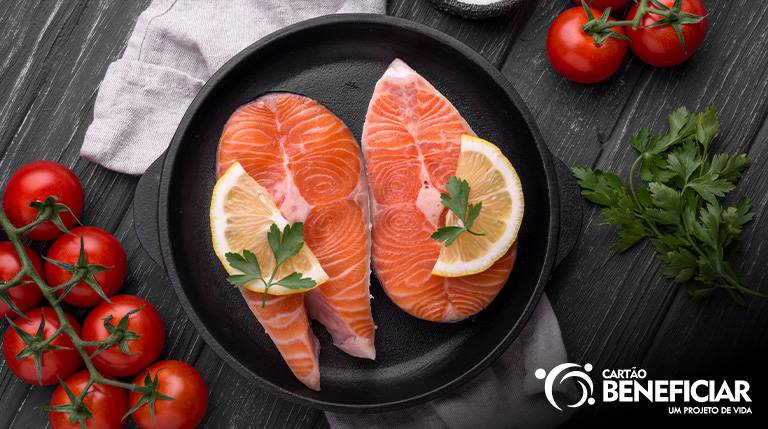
{"points": [[337, 60]]}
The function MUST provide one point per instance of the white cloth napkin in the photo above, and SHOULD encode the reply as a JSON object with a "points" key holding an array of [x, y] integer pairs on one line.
{"points": [[175, 47]]}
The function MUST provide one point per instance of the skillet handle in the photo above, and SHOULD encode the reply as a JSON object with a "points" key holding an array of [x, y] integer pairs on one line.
{"points": [[145, 211], [570, 210]]}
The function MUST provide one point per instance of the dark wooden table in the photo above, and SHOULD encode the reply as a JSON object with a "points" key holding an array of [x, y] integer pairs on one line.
{"points": [[615, 311]]}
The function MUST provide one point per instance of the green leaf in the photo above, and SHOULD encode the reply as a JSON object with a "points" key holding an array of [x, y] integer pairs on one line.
{"points": [[708, 228], [457, 197], [667, 202], [630, 227], [457, 201], [447, 234], [707, 127], [684, 161], [287, 243], [629, 235], [247, 264], [678, 265], [728, 167], [654, 168], [600, 187], [472, 212], [678, 120], [296, 281], [734, 218], [710, 187]]}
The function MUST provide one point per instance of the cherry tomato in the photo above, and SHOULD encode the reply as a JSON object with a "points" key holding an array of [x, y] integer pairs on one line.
{"points": [[177, 380], [604, 4], [107, 405], [145, 323], [101, 248], [36, 181], [24, 296], [660, 46], [55, 364], [574, 54]]}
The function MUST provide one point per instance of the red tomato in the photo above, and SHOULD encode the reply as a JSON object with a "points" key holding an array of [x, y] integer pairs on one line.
{"points": [[101, 248], [55, 363], [179, 381], [146, 323], [35, 182], [604, 4], [660, 46], [24, 296], [574, 54], [107, 405]]}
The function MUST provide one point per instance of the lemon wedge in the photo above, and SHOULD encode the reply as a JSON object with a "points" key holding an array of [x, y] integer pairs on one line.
{"points": [[242, 212], [493, 182]]}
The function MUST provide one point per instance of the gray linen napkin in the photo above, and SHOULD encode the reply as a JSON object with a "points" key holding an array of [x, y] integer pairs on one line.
{"points": [[174, 48]]}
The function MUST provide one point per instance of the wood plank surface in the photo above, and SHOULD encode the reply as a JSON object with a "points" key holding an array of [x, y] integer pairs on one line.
{"points": [[615, 310]]}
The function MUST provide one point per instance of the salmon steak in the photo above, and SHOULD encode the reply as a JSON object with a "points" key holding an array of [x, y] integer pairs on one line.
{"points": [[411, 144], [309, 161]]}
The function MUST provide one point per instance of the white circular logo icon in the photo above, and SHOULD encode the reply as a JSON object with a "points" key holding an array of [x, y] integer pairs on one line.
{"points": [[564, 372]]}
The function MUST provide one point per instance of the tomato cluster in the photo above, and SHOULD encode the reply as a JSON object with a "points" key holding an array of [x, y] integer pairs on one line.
{"points": [[586, 45], [122, 336]]}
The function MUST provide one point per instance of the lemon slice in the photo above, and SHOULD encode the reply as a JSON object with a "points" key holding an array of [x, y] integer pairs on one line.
{"points": [[241, 213], [494, 182]]}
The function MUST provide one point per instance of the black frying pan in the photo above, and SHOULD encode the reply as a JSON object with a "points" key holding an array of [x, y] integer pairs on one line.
{"points": [[337, 60]]}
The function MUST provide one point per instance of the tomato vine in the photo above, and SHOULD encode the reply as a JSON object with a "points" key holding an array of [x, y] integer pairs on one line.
{"points": [[149, 392]]}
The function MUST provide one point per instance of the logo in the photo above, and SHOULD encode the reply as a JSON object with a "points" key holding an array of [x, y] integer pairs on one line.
{"points": [[632, 385], [563, 373]]}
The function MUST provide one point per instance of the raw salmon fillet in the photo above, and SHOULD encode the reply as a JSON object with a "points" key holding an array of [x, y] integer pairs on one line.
{"points": [[285, 320], [309, 161], [411, 142]]}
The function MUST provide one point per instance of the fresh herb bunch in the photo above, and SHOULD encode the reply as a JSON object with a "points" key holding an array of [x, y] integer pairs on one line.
{"points": [[457, 201], [284, 244], [678, 205]]}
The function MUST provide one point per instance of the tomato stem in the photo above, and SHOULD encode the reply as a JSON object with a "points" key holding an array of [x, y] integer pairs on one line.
{"points": [[49, 292], [600, 27]]}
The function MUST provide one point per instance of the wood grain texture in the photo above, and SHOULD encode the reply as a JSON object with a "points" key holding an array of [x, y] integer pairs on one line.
{"points": [[491, 38], [616, 310]]}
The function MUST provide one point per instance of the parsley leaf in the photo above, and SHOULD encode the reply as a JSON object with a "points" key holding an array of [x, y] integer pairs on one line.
{"points": [[286, 244], [678, 205], [247, 263], [457, 201], [283, 244]]}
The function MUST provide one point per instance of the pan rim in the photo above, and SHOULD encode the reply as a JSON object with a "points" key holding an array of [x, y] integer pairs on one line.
{"points": [[167, 248]]}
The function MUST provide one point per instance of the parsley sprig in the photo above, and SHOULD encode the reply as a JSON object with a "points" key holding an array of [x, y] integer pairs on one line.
{"points": [[284, 244], [457, 201], [680, 207]]}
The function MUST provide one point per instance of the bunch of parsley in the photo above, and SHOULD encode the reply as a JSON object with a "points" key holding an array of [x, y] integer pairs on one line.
{"points": [[678, 205]]}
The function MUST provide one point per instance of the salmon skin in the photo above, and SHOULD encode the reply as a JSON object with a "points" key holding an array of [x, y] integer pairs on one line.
{"points": [[411, 143], [311, 164]]}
